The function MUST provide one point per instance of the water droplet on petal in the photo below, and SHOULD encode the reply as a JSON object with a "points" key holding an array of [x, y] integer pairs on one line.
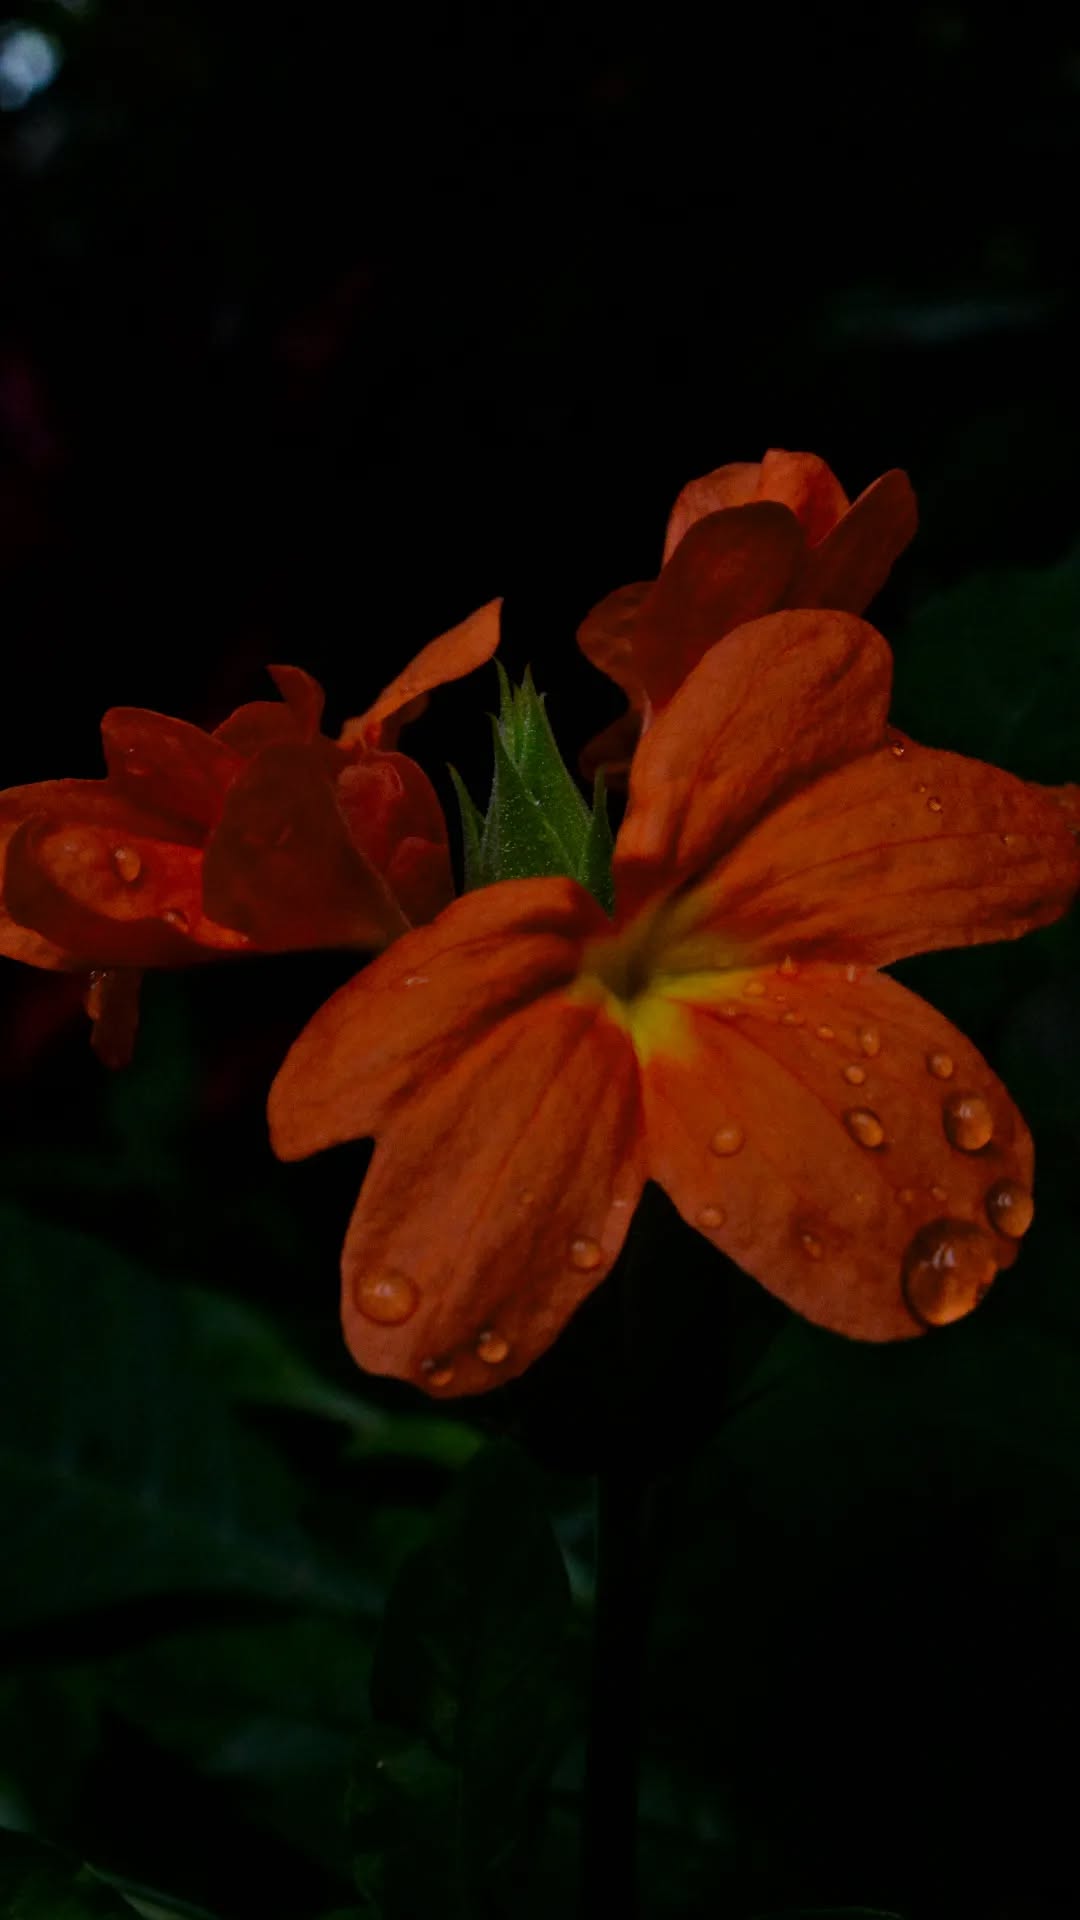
{"points": [[491, 1348], [787, 967], [947, 1269], [711, 1217], [826, 1033], [437, 1376], [754, 989], [869, 1041], [898, 749], [730, 1011], [968, 1121], [727, 1139], [387, 1298], [855, 1075], [173, 917], [1007, 839], [934, 804], [128, 864], [811, 1246], [865, 1127], [906, 1196], [792, 1019], [1010, 1208], [940, 1194], [415, 980], [941, 1065], [851, 973], [585, 1254], [922, 787]]}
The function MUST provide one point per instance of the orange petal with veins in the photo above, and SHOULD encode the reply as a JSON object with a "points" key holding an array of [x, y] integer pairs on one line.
{"points": [[851, 564], [107, 900], [904, 850], [846, 1146], [779, 704], [460, 651]]}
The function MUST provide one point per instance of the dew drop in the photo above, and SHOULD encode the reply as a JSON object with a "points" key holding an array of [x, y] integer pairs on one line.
{"points": [[386, 1298], [727, 1139], [906, 1196], [730, 1011], [1007, 839], [968, 1122], [869, 1041], [934, 804], [173, 917], [585, 1254], [437, 1376], [127, 863], [711, 1217], [491, 1348], [940, 1194], [948, 1267], [787, 967], [864, 1127], [1010, 1208], [855, 1075], [851, 973], [792, 1019], [811, 1246], [941, 1065], [922, 787], [415, 980], [826, 1033], [898, 750], [754, 990]]}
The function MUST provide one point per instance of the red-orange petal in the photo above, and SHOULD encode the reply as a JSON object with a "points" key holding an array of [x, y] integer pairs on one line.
{"points": [[281, 867], [799, 481], [498, 1197], [455, 653], [853, 560], [72, 801], [611, 751], [302, 695], [109, 900], [733, 485], [606, 637], [728, 569], [168, 768], [410, 1014], [903, 850], [393, 816], [847, 1146], [781, 702]]}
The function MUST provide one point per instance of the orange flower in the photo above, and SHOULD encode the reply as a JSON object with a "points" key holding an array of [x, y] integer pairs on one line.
{"points": [[742, 541], [260, 837], [525, 1064]]}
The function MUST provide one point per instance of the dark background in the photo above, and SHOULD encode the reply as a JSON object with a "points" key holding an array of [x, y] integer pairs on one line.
{"points": [[317, 329]]}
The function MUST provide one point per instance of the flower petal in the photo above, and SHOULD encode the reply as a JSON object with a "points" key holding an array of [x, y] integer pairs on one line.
{"points": [[852, 562], [901, 851], [799, 481], [847, 1146], [281, 867], [454, 654], [606, 637], [66, 801], [498, 1197], [783, 700], [393, 816], [733, 485], [611, 751], [166, 767], [728, 569], [410, 1014], [108, 902], [302, 695]]}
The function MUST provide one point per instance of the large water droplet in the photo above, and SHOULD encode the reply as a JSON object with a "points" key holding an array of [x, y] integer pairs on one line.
{"points": [[865, 1127], [947, 1269], [491, 1348], [727, 1139], [437, 1373], [811, 1246], [968, 1121], [854, 1075], [585, 1254], [711, 1217], [941, 1065], [128, 863], [387, 1298], [174, 917], [1010, 1208]]}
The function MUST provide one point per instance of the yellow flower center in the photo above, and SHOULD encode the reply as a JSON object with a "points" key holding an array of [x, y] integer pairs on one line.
{"points": [[645, 976]]}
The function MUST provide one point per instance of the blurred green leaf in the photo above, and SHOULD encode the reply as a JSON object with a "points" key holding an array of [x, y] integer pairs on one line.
{"points": [[471, 1693], [37, 1884], [992, 668], [123, 1470]]}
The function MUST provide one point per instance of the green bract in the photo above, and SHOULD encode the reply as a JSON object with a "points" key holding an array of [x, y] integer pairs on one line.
{"points": [[538, 821]]}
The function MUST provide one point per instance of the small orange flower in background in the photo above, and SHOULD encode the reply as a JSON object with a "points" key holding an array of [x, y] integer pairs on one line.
{"points": [[262, 837], [525, 1064], [742, 541]]}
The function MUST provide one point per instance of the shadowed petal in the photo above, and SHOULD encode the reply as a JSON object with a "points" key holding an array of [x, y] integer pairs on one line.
{"points": [[281, 867], [497, 1199], [302, 695], [409, 1015], [846, 1146], [783, 700], [606, 637], [167, 767], [902, 851], [112, 1002], [611, 751], [393, 816], [854, 559]]}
